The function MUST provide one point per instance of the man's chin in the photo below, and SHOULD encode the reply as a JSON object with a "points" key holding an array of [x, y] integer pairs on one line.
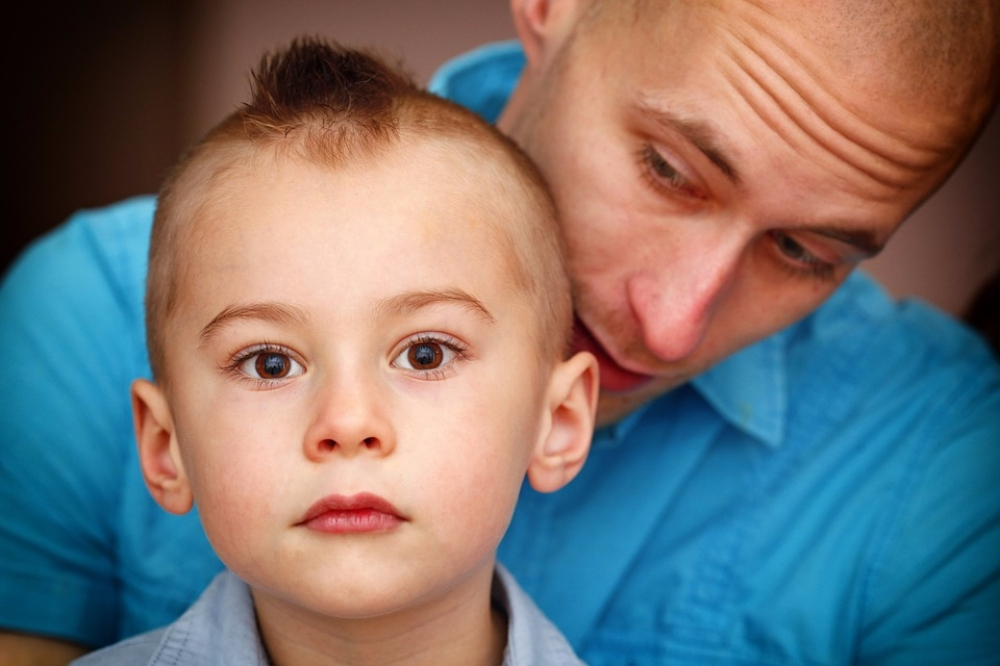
{"points": [[613, 406], [614, 378], [622, 390]]}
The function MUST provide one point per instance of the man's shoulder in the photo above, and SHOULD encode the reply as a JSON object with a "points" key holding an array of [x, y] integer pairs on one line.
{"points": [[862, 332], [106, 245], [121, 228], [895, 365], [481, 79], [857, 355]]}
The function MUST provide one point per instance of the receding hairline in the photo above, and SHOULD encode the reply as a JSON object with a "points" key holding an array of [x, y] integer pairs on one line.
{"points": [[947, 52]]}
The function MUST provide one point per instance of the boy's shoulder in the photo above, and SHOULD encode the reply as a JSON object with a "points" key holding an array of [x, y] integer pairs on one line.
{"points": [[220, 627], [531, 637], [129, 652]]}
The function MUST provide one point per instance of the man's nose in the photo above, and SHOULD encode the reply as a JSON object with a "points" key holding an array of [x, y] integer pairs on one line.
{"points": [[349, 419], [675, 302]]}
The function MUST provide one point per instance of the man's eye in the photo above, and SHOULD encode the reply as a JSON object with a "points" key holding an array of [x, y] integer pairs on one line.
{"points": [[663, 176], [803, 261], [793, 249], [662, 169]]}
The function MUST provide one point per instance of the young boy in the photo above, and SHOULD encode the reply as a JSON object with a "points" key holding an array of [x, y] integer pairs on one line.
{"points": [[358, 320]]}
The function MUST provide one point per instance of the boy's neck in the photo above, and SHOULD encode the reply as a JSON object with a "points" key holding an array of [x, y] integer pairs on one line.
{"points": [[465, 630]]}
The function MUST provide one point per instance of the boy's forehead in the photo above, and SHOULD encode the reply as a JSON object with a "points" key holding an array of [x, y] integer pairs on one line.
{"points": [[417, 198]]}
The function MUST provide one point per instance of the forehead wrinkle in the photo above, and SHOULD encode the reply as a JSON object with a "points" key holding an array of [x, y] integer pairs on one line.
{"points": [[413, 301], [279, 313], [824, 120]]}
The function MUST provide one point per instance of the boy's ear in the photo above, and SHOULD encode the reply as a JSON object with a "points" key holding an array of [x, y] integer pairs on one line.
{"points": [[162, 467], [563, 447], [542, 23]]}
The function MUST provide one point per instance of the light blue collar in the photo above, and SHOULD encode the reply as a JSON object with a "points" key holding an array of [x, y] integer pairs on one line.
{"points": [[750, 389]]}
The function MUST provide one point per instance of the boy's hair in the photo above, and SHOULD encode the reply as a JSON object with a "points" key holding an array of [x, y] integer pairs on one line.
{"points": [[319, 101]]}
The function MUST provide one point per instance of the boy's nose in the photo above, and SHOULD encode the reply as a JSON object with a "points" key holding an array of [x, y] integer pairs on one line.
{"points": [[348, 447], [350, 420]]}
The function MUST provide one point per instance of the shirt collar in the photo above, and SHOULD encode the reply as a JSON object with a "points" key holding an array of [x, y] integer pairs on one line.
{"points": [[750, 389]]}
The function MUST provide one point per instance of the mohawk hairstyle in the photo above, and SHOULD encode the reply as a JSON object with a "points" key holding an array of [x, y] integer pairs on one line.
{"points": [[318, 80], [339, 98]]}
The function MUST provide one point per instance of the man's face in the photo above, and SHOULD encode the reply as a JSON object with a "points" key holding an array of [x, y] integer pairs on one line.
{"points": [[717, 179]]}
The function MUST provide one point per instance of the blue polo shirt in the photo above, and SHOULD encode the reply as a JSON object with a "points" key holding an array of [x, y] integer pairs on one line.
{"points": [[829, 495]]}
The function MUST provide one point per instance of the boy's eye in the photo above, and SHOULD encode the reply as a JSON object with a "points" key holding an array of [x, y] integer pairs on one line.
{"points": [[430, 355], [272, 366], [425, 355], [268, 364]]}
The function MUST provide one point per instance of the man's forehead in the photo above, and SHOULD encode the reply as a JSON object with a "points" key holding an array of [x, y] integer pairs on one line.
{"points": [[942, 56], [820, 84]]}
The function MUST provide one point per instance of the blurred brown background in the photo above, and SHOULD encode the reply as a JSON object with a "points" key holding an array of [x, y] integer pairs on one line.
{"points": [[104, 96]]}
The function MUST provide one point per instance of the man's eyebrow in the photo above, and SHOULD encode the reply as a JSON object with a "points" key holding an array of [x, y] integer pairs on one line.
{"points": [[414, 300], [703, 137], [699, 133], [864, 240], [274, 312]]}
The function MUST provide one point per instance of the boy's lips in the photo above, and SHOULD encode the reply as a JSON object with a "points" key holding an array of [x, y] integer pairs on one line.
{"points": [[364, 512], [614, 378]]}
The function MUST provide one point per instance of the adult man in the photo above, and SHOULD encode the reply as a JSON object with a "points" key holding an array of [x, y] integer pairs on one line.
{"points": [[770, 489]]}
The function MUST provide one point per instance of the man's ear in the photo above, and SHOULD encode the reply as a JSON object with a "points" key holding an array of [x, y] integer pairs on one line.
{"points": [[542, 23], [162, 467], [572, 402]]}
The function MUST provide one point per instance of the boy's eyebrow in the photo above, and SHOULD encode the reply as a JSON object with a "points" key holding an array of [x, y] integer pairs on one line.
{"points": [[282, 313], [415, 300], [275, 312]]}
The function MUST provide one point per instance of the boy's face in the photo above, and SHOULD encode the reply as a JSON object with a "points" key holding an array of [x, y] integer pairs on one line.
{"points": [[353, 380]]}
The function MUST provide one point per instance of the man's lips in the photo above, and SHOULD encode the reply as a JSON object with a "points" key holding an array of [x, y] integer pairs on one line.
{"points": [[364, 512], [613, 377]]}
